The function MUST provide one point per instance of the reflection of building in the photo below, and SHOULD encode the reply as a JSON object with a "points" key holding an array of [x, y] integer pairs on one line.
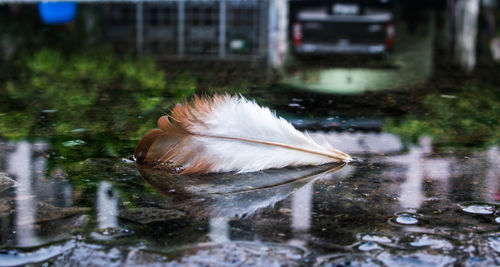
{"points": [[20, 165], [27, 164], [35, 198], [107, 206]]}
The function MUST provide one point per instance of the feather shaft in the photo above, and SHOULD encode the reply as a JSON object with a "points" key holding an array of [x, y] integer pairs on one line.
{"points": [[342, 157]]}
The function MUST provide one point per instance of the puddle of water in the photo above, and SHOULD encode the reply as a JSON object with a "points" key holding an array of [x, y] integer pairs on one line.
{"points": [[320, 215], [324, 215], [71, 194]]}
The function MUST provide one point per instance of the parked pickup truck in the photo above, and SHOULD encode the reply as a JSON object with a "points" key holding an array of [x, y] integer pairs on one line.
{"points": [[342, 27]]}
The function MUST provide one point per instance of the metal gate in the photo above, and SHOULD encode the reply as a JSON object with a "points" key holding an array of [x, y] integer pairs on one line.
{"points": [[192, 29]]}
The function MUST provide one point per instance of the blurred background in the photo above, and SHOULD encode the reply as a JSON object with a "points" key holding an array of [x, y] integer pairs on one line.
{"points": [[401, 35], [341, 65], [410, 87]]}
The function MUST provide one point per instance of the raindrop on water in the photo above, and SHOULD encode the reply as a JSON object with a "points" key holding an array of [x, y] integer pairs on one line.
{"points": [[478, 208], [376, 238], [368, 246], [407, 218]]}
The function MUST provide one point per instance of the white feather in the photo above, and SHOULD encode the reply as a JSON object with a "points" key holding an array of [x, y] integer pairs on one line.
{"points": [[221, 139]]}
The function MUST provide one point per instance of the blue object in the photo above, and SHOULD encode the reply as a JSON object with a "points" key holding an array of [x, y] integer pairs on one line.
{"points": [[57, 12]]}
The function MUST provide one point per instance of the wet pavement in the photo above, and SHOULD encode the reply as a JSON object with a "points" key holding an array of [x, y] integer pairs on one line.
{"points": [[398, 204]]}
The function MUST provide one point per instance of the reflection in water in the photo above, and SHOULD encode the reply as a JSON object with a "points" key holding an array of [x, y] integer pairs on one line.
{"points": [[411, 195], [53, 188], [230, 195], [301, 208], [107, 206], [358, 143], [219, 229], [19, 164], [315, 208], [419, 169], [301, 214], [493, 173]]}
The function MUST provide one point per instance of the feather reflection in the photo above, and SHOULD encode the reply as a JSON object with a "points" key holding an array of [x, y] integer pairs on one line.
{"points": [[230, 194]]}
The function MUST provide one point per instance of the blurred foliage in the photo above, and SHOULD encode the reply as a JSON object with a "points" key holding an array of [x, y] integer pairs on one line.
{"points": [[92, 95], [87, 104], [469, 117]]}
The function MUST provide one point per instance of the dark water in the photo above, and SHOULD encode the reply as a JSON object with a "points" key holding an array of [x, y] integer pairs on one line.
{"points": [[71, 195]]}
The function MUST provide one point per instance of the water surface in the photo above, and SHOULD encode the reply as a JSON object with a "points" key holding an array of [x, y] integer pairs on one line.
{"points": [[74, 196]]}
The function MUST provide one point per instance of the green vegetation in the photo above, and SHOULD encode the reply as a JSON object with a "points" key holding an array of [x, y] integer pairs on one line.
{"points": [[470, 117], [75, 91], [104, 102], [86, 104]]}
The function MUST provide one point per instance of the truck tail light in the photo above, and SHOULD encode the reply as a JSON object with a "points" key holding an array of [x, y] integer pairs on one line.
{"points": [[297, 34], [390, 31]]}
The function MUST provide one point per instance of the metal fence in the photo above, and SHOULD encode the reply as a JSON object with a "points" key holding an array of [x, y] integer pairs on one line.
{"points": [[193, 29], [189, 29]]}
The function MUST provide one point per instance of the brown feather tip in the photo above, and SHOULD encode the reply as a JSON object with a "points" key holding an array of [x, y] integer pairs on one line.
{"points": [[143, 147]]}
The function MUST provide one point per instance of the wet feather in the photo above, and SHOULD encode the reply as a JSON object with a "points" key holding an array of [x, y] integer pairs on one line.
{"points": [[230, 133]]}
